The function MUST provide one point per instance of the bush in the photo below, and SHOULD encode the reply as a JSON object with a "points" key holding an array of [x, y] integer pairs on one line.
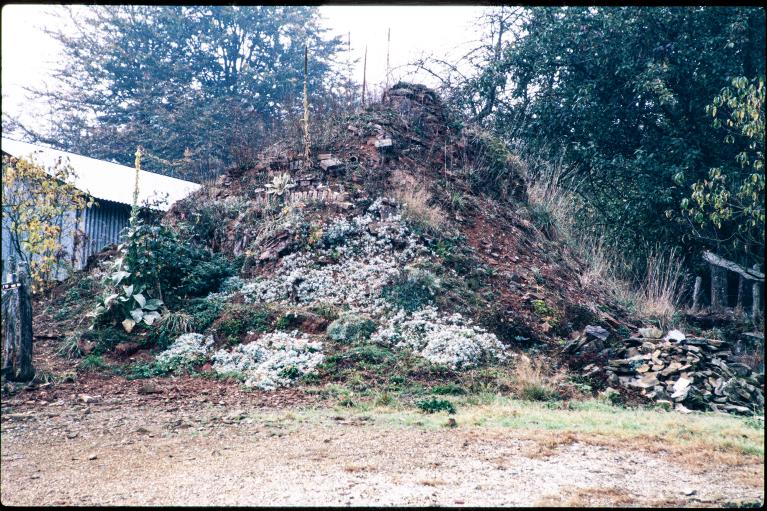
{"points": [[451, 389], [434, 405], [239, 319], [412, 289], [351, 328], [204, 312]]}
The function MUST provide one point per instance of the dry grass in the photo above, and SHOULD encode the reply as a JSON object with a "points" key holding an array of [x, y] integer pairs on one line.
{"points": [[654, 295], [353, 469], [534, 380], [588, 497], [432, 482], [414, 195]]}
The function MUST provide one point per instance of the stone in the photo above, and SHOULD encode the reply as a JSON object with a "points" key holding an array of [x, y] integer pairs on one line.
{"points": [[674, 335], [597, 332], [87, 399], [651, 333], [149, 388]]}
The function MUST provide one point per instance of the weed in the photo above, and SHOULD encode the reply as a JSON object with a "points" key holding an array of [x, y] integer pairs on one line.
{"points": [[450, 389], [93, 362], [434, 405]]}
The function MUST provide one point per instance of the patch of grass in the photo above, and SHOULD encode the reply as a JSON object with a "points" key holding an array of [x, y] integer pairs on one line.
{"points": [[434, 405], [93, 362], [450, 389], [238, 319]]}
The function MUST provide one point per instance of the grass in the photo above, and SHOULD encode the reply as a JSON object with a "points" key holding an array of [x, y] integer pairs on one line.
{"points": [[696, 438]]}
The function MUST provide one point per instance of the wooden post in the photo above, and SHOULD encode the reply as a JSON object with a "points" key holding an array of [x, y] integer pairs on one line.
{"points": [[17, 329], [718, 288], [756, 307], [741, 294], [697, 292]]}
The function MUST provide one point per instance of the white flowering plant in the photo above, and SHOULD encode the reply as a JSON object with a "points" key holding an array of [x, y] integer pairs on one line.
{"points": [[448, 340]]}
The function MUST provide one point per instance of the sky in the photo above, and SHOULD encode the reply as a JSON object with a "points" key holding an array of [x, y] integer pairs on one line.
{"points": [[29, 55]]}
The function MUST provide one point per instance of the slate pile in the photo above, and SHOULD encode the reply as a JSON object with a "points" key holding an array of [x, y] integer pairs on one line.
{"points": [[686, 373]]}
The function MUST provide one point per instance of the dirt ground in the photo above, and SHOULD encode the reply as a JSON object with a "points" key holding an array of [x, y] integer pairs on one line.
{"points": [[105, 440], [140, 451]]}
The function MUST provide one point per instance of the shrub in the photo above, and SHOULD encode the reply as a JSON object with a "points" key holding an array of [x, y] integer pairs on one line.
{"points": [[351, 328], [203, 312], [412, 289], [434, 405], [239, 319], [451, 389]]}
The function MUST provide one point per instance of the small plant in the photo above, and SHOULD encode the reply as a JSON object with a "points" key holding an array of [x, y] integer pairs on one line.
{"points": [[435, 405], [69, 347], [280, 184], [93, 362], [351, 328], [451, 389], [412, 289]]}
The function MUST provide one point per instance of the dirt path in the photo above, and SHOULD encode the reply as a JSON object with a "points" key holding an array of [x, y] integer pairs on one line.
{"points": [[200, 452]]}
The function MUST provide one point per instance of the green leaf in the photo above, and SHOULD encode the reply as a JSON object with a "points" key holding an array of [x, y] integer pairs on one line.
{"points": [[153, 304], [137, 314], [140, 299], [128, 290], [150, 317]]}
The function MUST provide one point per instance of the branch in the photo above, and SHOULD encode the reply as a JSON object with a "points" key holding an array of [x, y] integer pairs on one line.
{"points": [[747, 274]]}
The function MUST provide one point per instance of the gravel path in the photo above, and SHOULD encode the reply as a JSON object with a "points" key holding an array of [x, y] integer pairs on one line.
{"points": [[202, 453]]}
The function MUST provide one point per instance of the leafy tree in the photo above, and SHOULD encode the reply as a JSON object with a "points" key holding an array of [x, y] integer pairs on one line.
{"points": [[197, 86], [730, 202], [621, 93], [38, 207]]}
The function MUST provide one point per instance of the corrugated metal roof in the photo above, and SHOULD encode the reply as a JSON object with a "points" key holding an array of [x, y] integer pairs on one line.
{"points": [[105, 180]]}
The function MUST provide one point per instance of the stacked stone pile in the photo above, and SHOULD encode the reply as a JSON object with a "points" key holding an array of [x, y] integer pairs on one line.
{"points": [[683, 372]]}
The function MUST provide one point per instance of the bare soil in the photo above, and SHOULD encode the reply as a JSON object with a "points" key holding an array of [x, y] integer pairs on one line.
{"points": [[135, 449]]}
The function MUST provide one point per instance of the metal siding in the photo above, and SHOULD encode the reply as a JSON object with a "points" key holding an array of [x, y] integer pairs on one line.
{"points": [[103, 226]]}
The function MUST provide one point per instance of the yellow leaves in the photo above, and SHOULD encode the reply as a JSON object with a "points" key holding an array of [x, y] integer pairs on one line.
{"points": [[39, 205]]}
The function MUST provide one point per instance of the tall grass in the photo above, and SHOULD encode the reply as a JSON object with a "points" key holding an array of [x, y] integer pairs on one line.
{"points": [[651, 286]]}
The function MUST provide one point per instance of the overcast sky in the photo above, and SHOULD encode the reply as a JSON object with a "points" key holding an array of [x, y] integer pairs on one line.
{"points": [[28, 55]]}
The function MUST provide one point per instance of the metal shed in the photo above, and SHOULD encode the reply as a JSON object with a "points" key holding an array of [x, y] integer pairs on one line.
{"points": [[111, 185]]}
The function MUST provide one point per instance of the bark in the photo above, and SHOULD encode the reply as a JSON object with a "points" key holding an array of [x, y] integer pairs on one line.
{"points": [[17, 329]]}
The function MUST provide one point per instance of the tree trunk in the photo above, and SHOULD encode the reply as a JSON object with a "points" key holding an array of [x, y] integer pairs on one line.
{"points": [[697, 293], [718, 288], [17, 329]]}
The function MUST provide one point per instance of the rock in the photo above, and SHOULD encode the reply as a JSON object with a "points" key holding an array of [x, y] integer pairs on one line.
{"points": [[149, 388], [92, 457], [651, 333], [451, 423], [88, 399], [596, 332], [674, 335]]}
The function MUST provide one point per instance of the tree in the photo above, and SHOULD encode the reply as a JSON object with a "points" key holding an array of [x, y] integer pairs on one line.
{"points": [[198, 87], [729, 204], [622, 94], [38, 207]]}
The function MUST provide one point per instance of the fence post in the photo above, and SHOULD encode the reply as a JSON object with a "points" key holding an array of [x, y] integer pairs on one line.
{"points": [[718, 287], [756, 307], [697, 292], [17, 328]]}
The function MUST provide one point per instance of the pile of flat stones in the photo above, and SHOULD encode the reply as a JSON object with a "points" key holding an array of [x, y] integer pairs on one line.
{"points": [[680, 372]]}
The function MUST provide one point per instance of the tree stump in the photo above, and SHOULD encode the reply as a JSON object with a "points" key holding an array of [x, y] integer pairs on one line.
{"points": [[17, 328]]}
